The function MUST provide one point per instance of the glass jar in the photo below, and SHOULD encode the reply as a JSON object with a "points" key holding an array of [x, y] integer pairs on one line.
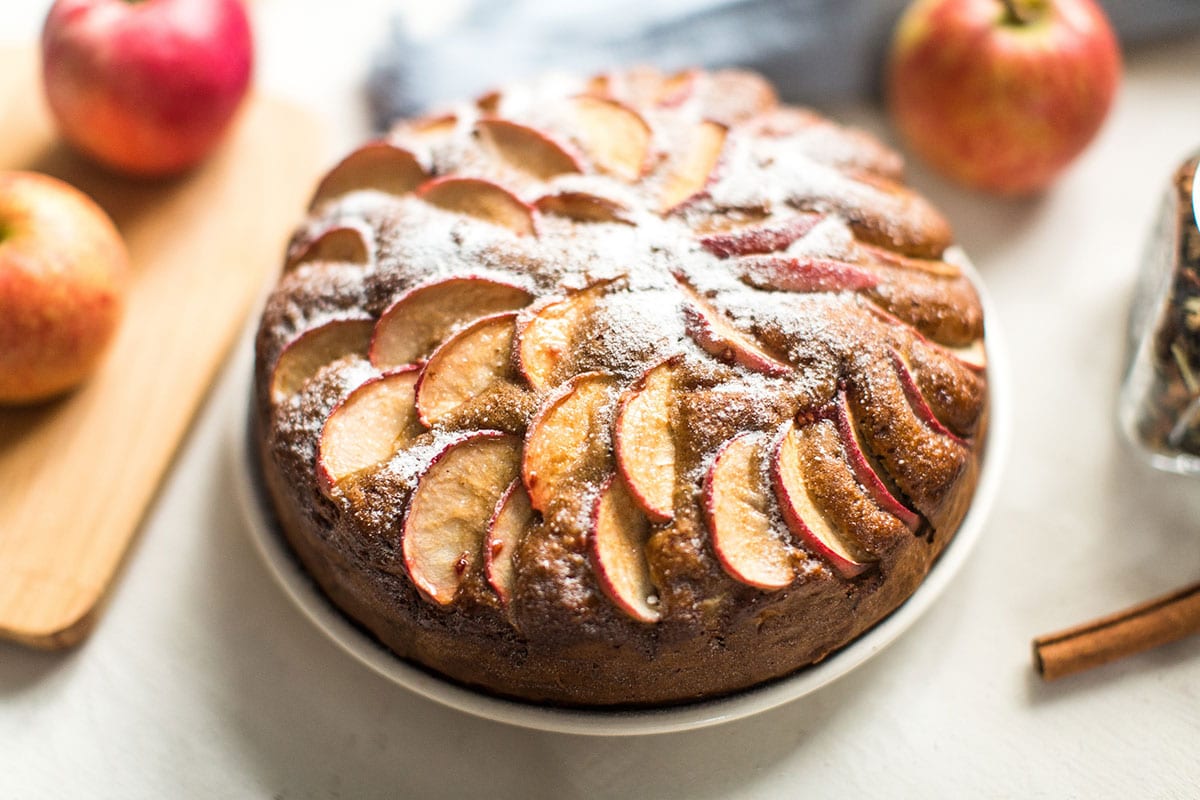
{"points": [[1159, 408]]}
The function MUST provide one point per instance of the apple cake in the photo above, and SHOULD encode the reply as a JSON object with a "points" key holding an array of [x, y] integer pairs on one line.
{"points": [[622, 391]]}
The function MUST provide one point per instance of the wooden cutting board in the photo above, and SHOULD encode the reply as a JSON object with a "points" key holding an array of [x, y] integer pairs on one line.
{"points": [[76, 475]]}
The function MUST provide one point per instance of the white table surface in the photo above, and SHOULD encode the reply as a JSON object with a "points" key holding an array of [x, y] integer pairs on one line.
{"points": [[202, 680]]}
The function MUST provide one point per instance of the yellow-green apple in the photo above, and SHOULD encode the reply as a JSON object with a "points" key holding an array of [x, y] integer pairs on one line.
{"points": [[146, 87], [1002, 95], [63, 272]]}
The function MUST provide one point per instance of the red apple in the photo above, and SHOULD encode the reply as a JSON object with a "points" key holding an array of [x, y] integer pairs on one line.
{"points": [[63, 272], [148, 87], [1002, 94]]}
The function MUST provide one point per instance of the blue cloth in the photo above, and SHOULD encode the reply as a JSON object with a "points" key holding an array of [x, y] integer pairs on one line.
{"points": [[814, 51]]}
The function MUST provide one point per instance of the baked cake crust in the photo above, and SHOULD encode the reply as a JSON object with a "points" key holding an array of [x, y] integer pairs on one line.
{"points": [[666, 276]]}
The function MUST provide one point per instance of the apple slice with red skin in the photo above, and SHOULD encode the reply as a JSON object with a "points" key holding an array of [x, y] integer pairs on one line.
{"points": [[614, 136], [464, 365], [678, 88], [827, 142], [430, 127], [642, 86], [944, 309], [367, 426], [735, 96], [803, 518], [344, 244], [618, 552], [786, 274], [884, 213], [972, 356], [526, 149], [313, 349], [489, 102], [644, 442], [378, 165], [770, 236], [424, 316], [693, 165], [924, 464], [584, 207], [916, 399], [558, 437], [715, 336], [482, 200], [866, 469], [932, 266], [737, 507], [544, 333], [448, 514], [510, 522]]}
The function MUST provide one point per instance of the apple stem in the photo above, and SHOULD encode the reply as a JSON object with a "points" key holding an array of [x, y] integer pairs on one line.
{"points": [[1014, 13]]}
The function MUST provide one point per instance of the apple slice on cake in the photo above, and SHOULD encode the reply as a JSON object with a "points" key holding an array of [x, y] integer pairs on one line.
{"points": [[484, 200], [345, 244], [614, 136], [367, 426], [545, 332], [866, 469], [693, 165], [584, 207], [618, 552], [307, 353], [769, 236], [423, 317], [526, 149], [505, 531], [443, 532], [738, 509], [464, 365], [644, 442], [709, 329], [563, 433], [922, 461], [379, 166], [789, 474], [916, 398], [788, 274]]}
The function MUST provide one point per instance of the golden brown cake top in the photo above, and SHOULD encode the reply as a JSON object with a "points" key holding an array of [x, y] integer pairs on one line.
{"points": [[643, 333]]}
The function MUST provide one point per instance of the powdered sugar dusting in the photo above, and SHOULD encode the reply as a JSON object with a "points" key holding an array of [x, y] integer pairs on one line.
{"points": [[645, 266]]}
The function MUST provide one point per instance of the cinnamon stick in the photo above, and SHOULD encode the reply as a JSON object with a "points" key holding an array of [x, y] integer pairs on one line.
{"points": [[1150, 624]]}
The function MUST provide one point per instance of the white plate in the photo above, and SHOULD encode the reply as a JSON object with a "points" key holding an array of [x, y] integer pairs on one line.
{"points": [[359, 644]]}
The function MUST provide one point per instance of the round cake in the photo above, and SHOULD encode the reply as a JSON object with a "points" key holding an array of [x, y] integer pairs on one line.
{"points": [[627, 391]]}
